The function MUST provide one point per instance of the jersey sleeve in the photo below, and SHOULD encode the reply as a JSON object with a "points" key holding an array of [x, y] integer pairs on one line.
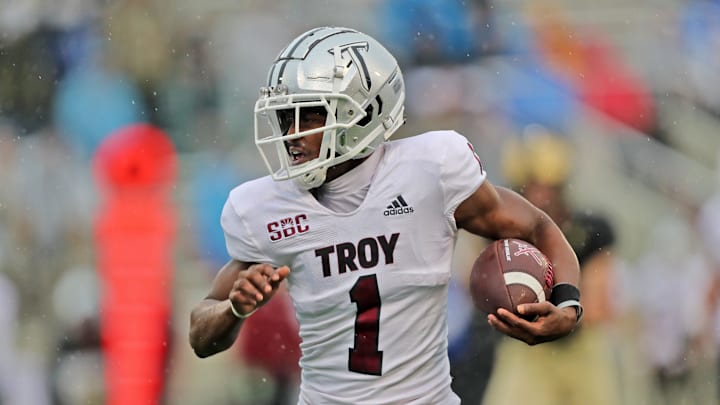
{"points": [[238, 239], [462, 171]]}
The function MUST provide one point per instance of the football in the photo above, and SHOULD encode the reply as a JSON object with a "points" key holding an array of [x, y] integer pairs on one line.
{"points": [[510, 272]]}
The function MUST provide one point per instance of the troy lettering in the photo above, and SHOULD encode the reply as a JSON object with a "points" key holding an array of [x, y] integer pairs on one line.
{"points": [[366, 253]]}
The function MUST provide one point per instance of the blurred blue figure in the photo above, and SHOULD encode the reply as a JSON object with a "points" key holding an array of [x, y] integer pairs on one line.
{"points": [[435, 31], [700, 40], [76, 45], [534, 95], [211, 182], [91, 103], [460, 314], [700, 28]]}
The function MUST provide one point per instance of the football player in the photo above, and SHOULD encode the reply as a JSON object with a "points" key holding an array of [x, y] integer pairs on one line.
{"points": [[363, 230]]}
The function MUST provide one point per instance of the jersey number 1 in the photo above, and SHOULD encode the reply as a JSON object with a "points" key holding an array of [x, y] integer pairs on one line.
{"points": [[365, 357]]}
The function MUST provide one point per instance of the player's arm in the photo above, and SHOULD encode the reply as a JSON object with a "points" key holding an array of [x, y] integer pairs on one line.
{"points": [[497, 212], [237, 290]]}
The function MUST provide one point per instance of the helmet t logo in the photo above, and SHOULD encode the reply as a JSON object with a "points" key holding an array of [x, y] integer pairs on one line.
{"points": [[353, 51]]}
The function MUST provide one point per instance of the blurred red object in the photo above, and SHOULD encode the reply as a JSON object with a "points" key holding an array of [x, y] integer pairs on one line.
{"points": [[611, 88], [599, 74], [134, 236], [136, 155]]}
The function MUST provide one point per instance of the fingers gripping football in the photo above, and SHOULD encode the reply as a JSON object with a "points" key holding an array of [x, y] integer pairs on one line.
{"points": [[255, 286], [550, 322]]}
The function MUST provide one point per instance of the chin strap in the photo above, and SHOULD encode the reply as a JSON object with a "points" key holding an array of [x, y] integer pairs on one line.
{"points": [[313, 179]]}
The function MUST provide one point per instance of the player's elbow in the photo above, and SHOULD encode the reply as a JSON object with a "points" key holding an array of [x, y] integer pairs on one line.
{"points": [[202, 353], [205, 345], [203, 348], [198, 348], [202, 345]]}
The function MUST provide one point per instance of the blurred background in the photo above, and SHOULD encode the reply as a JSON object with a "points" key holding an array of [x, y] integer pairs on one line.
{"points": [[125, 123]]}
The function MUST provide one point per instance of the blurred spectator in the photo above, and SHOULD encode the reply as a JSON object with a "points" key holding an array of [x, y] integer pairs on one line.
{"points": [[76, 375], [47, 199], [440, 46], [91, 103], [212, 177], [22, 373], [139, 47], [438, 32], [8, 328], [581, 368], [708, 226], [29, 70], [585, 60], [534, 94], [678, 304], [236, 42], [700, 47], [471, 340], [187, 96], [39, 42]]}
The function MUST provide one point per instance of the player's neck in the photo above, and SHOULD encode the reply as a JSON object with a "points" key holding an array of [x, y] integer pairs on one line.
{"points": [[349, 185], [336, 171], [342, 168]]}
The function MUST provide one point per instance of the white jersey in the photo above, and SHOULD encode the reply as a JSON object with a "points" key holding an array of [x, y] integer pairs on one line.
{"points": [[369, 286]]}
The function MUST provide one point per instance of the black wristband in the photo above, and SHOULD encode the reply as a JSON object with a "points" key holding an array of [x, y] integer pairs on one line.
{"points": [[566, 295], [562, 292]]}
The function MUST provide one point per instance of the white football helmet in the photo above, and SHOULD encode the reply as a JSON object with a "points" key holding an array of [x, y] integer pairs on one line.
{"points": [[349, 74]]}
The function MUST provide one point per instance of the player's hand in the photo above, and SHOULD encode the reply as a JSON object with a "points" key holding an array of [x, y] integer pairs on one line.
{"points": [[255, 286], [550, 323]]}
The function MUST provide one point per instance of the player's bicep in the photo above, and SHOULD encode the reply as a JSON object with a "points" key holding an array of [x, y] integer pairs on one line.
{"points": [[497, 212], [225, 278]]}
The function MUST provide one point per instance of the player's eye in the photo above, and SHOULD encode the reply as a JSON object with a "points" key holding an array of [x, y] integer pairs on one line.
{"points": [[313, 115], [307, 117], [286, 119]]}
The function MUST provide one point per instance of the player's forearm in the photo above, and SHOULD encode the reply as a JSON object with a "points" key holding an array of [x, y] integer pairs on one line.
{"points": [[551, 241], [213, 327]]}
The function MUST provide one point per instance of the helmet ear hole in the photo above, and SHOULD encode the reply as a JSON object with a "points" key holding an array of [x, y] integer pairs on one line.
{"points": [[368, 116], [380, 104], [370, 110]]}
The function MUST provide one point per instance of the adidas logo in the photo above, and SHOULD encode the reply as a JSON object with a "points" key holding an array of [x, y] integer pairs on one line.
{"points": [[398, 206]]}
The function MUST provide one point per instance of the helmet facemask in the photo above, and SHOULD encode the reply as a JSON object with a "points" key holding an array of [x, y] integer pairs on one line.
{"points": [[274, 111]]}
